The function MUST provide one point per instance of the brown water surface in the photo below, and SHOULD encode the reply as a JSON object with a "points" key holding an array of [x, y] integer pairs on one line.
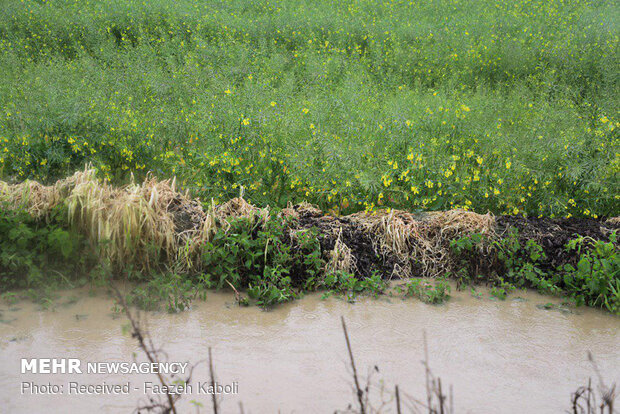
{"points": [[499, 356]]}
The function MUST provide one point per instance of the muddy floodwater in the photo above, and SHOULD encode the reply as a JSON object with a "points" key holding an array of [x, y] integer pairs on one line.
{"points": [[509, 356]]}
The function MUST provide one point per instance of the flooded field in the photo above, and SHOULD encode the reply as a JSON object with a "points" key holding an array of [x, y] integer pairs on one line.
{"points": [[499, 356]]}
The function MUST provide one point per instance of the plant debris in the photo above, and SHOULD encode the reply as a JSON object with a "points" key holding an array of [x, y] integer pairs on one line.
{"points": [[153, 224]]}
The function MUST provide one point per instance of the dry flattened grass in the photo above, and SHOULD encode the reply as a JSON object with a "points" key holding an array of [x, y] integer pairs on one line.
{"points": [[421, 241], [614, 221], [390, 232], [37, 199], [303, 208], [239, 208], [308, 209], [437, 229], [456, 222], [390, 229], [33, 197]]}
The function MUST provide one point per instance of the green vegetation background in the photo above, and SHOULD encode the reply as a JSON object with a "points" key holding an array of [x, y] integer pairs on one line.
{"points": [[507, 106]]}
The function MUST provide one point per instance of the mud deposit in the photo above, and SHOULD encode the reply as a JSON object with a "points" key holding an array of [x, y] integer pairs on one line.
{"points": [[509, 356]]}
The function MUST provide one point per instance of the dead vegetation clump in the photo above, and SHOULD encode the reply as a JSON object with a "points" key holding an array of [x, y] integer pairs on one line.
{"points": [[37, 199], [345, 243], [394, 242], [392, 231], [297, 211], [438, 229], [340, 258], [239, 208], [613, 221], [420, 243], [32, 196], [130, 225], [140, 225]]}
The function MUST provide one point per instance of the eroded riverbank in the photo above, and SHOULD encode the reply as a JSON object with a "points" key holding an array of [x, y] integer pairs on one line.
{"points": [[508, 356]]}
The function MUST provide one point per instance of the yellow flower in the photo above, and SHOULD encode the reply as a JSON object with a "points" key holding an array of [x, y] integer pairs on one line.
{"points": [[227, 92], [305, 110], [273, 103], [386, 180]]}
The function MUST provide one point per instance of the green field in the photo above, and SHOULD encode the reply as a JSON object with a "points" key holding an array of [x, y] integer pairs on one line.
{"points": [[501, 106]]}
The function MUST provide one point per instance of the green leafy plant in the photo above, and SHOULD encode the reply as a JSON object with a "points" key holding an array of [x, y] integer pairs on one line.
{"points": [[264, 258], [595, 279], [36, 254], [434, 292], [346, 284], [523, 264], [174, 290], [501, 289]]}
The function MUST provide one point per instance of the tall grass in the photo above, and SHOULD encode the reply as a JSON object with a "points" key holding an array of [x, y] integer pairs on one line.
{"points": [[488, 105]]}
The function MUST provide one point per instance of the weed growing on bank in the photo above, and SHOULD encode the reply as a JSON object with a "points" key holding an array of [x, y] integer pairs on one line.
{"points": [[433, 292], [590, 275], [265, 258], [36, 255]]}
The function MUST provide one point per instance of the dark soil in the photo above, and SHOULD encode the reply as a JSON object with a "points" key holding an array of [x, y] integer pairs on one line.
{"points": [[186, 216], [554, 234], [353, 235]]}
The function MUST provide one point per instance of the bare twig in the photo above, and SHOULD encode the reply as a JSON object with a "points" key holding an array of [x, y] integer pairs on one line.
{"points": [[237, 294], [211, 373], [360, 393], [440, 396], [429, 395], [148, 348], [584, 399]]}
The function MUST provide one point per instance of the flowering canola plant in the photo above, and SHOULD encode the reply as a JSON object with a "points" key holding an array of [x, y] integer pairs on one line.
{"points": [[494, 106]]}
